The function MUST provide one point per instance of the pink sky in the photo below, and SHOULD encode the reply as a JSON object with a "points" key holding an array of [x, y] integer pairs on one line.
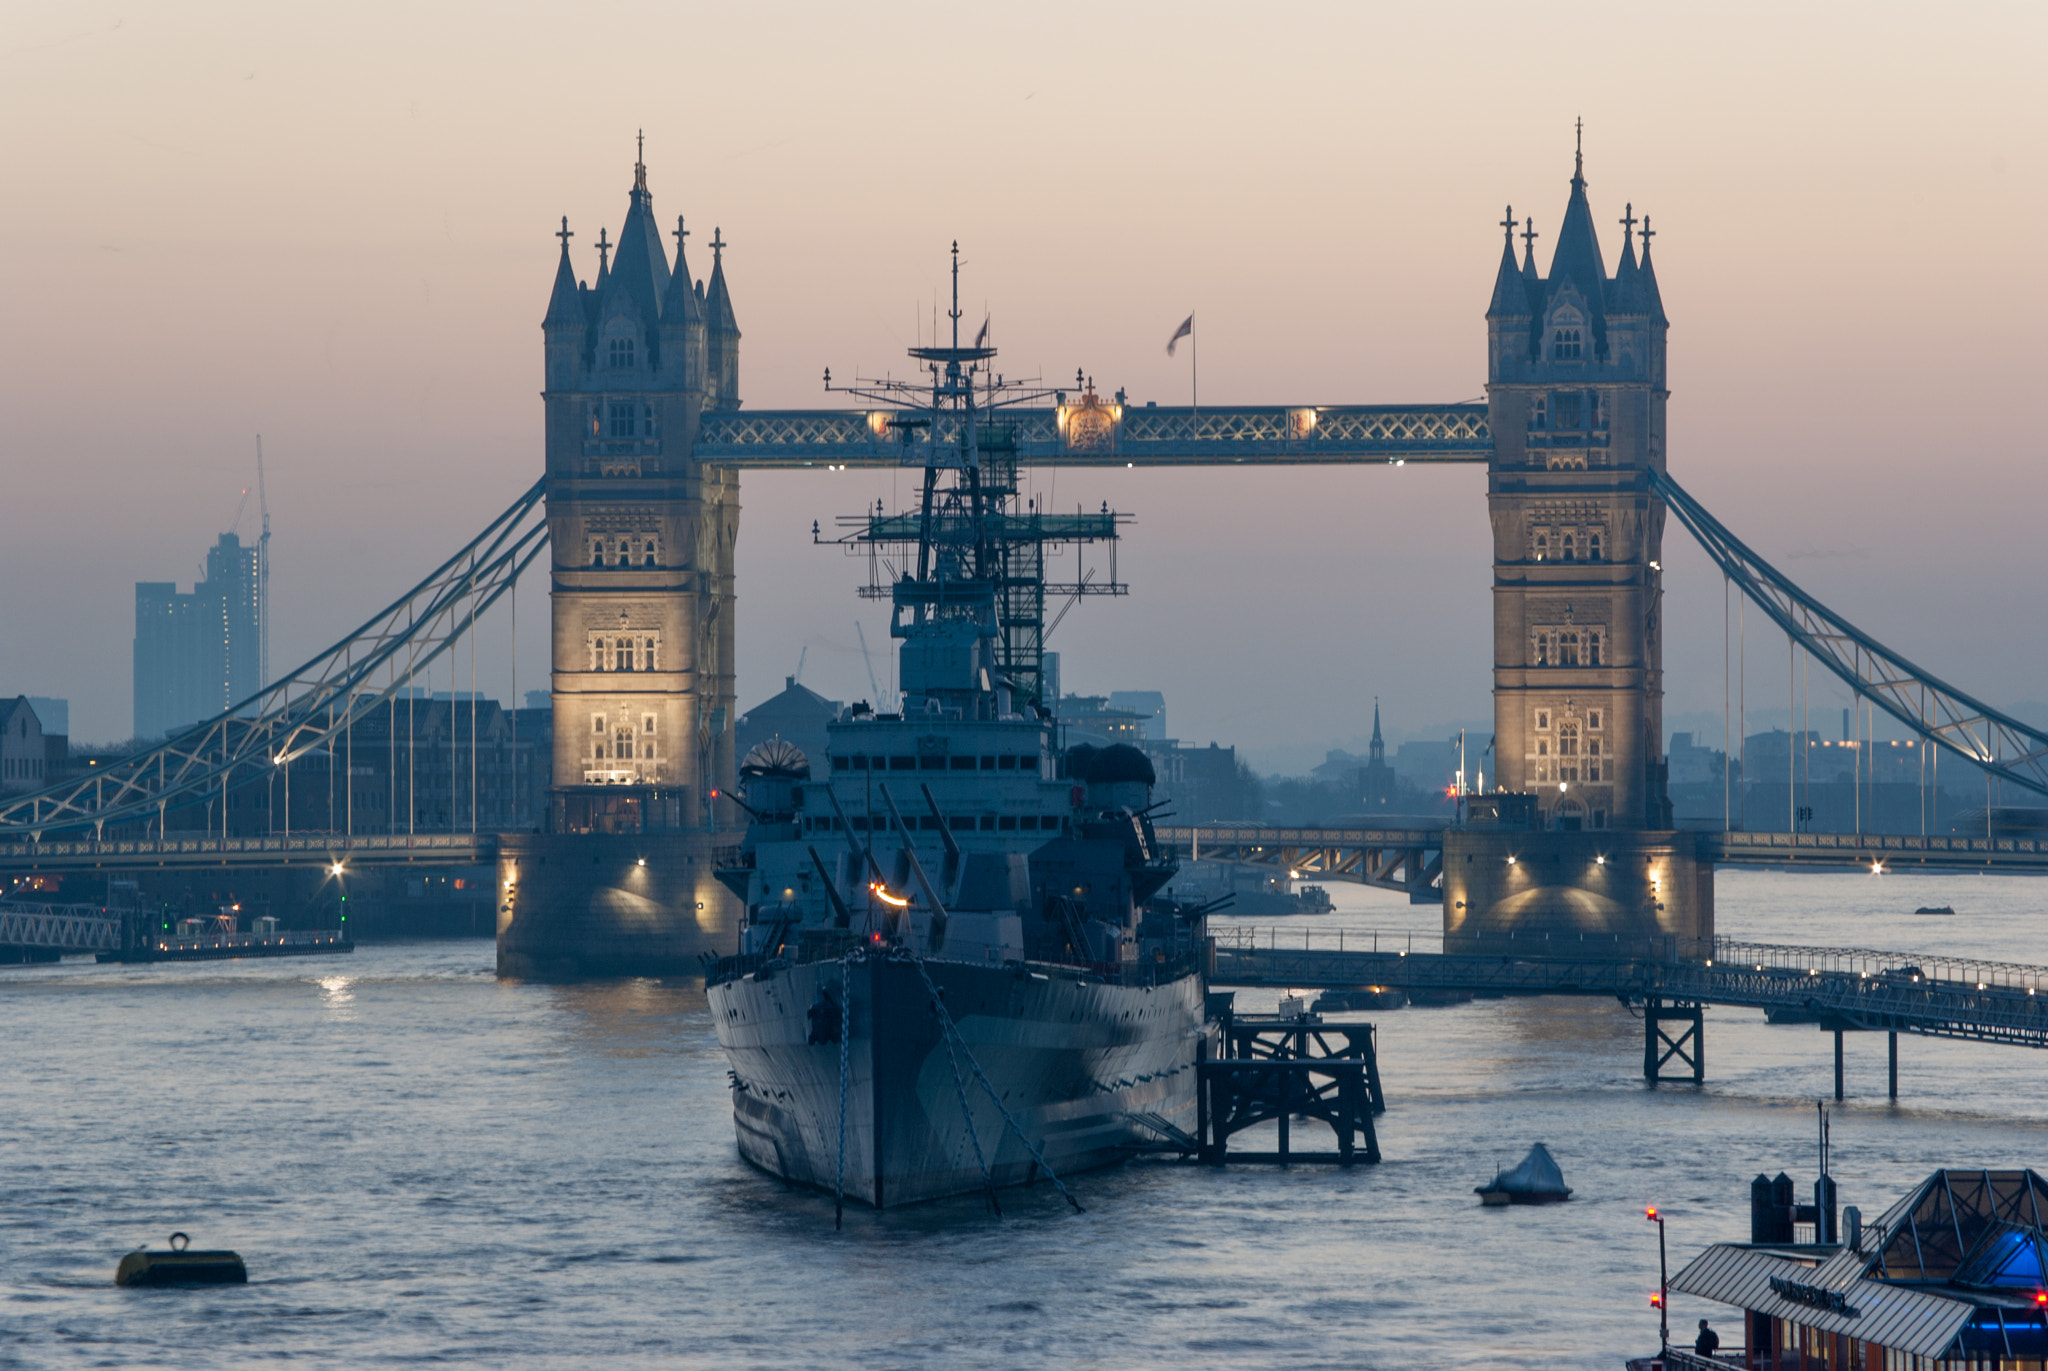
{"points": [[331, 225]]}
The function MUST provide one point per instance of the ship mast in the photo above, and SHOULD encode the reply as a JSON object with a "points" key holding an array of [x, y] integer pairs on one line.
{"points": [[974, 552]]}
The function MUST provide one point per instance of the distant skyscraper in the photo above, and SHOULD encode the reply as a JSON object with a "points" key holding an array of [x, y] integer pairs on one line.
{"points": [[198, 653]]}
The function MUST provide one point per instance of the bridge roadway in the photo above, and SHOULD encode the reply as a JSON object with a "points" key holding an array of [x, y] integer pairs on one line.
{"points": [[1109, 433], [309, 849], [1840, 988], [1411, 859]]}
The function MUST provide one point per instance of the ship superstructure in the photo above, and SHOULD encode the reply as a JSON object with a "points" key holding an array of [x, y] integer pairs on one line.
{"points": [[953, 972]]}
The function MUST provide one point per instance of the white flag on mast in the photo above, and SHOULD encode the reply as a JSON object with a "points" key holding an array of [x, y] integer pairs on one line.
{"points": [[1186, 330]]}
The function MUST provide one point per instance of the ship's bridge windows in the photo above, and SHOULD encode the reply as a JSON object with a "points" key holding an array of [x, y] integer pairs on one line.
{"points": [[1006, 763], [903, 764], [1007, 823], [988, 823], [963, 764], [988, 763], [932, 762]]}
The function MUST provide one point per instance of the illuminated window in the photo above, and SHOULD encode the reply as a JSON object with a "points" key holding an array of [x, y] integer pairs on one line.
{"points": [[1542, 546], [622, 353], [1542, 656]]}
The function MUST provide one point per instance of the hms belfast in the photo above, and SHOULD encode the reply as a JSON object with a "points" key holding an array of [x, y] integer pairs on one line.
{"points": [[954, 972]]}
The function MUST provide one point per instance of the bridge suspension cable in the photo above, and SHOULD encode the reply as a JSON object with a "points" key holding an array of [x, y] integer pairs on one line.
{"points": [[1935, 710], [305, 709]]}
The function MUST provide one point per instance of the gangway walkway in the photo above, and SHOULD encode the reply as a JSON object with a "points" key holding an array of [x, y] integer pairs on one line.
{"points": [[1847, 989]]}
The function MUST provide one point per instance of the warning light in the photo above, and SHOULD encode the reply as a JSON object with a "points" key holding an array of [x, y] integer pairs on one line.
{"points": [[2041, 1297], [714, 794], [1656, 1301], [1651, 1213]]}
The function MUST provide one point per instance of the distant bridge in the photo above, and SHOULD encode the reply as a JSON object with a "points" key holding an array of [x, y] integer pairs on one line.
{"points": [[1411, 859]]}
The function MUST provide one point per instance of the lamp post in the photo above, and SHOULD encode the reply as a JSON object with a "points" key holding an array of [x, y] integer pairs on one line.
{"points": [[1663, 1285]]}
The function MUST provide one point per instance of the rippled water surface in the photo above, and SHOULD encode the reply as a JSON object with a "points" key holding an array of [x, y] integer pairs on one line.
{"points": [[422, 1164]]}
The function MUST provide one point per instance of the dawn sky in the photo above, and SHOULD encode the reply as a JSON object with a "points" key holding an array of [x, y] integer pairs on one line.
{"points": [[332, 226]]}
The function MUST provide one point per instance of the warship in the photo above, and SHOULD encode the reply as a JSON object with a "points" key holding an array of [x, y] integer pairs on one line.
{"points": [[955, 971]]}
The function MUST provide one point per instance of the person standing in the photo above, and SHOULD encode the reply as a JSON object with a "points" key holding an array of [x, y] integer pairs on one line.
{"points": [[1708, 1342]]}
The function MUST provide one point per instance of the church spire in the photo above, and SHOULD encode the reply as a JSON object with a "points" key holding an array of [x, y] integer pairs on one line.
{"points": [[1379, 746]]}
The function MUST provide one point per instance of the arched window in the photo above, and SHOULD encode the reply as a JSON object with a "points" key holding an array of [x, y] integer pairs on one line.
{"points": [[1570, 548], [597, 552], [1592, 547], [1539, 418], [1542, 546], [625, 552], [621, 353], [1565, 345], [647, 553], [1593, 659], [1568, 752], [1592, 759]]}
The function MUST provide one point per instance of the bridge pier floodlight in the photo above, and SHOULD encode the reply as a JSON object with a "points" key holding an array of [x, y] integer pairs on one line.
{"points": [[1659, 1046]]}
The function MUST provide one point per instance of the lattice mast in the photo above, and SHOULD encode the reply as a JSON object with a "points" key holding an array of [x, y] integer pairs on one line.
{"points": [[970, 561]]}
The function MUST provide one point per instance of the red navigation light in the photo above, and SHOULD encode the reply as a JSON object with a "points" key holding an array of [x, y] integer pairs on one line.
{"points": [[1651, 1213], [2041, 1297], [714, 794], [1656, 1301]]}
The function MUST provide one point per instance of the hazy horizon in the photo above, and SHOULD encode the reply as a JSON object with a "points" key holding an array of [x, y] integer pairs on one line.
{"points": [[335, 228]]}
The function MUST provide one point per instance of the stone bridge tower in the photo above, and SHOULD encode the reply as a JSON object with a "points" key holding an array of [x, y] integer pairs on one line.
{"points": [[642, 591], [1576, 392]]}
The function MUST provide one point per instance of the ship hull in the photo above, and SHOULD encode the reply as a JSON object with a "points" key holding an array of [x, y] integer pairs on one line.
{"points": [[1086, 1069]]}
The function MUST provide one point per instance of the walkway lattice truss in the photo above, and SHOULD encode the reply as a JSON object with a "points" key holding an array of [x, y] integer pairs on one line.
{"points": [[1937, 711], [307, 708]]}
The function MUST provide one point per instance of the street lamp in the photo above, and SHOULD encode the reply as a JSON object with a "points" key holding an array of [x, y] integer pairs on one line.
{"points": [[1663, 1297]]}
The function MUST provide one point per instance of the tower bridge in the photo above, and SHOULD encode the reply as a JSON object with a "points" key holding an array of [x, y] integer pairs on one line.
{"points": [[638, 510]]}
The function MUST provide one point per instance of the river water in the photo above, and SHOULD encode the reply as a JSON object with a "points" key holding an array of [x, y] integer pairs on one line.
{"points": [[422, 1164]]}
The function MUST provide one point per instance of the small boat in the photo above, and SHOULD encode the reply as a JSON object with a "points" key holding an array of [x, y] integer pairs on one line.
{"points": [[1935, 909], [1354, 1001], [1536, 1181]]}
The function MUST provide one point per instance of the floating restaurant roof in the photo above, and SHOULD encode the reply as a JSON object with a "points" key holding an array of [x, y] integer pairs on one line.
{"points": [[1960, 1244]]}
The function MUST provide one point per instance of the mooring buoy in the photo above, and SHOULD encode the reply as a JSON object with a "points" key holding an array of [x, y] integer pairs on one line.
{"points": [[181, 1266]]}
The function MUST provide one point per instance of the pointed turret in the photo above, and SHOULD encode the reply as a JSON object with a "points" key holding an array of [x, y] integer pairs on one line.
{"points": [[1510, 293], [1378, 746], [681, 304], [721, 335], [1646, 280], [565, 309]]}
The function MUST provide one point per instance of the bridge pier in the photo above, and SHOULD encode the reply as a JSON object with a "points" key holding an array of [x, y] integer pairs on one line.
{"points": [[1510, 890], [1893, 1092], [1838, 1066], [578, 906], [1659, 1046]]}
